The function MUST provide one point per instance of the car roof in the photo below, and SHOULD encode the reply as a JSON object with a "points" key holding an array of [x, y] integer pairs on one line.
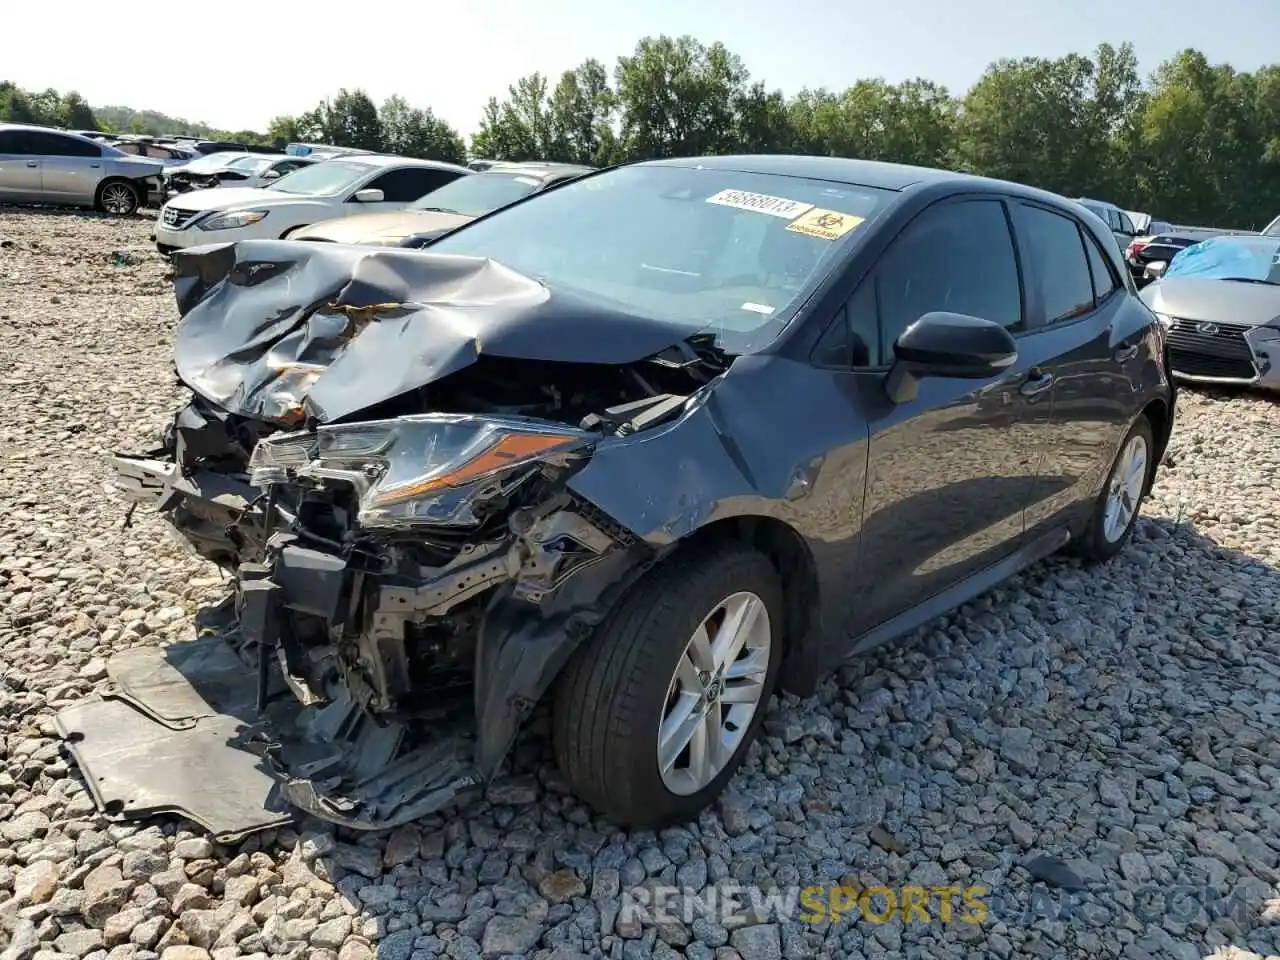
{"points": [[389, 160], [536, 168], [40, 128], [878, 174], [1101, 203]]}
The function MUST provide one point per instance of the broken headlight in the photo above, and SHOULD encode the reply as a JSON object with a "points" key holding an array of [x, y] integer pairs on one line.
{"points": [[425, 469]]}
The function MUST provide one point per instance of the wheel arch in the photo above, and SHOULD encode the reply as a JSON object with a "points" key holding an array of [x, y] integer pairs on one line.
{"points": [[791, 557], [1160, 417]]}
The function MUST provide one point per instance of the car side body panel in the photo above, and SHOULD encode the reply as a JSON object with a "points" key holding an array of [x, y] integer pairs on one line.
{"points": [[983, 479]]}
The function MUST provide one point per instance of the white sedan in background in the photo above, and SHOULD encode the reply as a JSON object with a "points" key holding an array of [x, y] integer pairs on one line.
{"points": [[369, 183]]}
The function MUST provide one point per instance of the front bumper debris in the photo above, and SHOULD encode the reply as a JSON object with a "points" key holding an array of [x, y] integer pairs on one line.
{"points": [[352, 681], [225, 711]]}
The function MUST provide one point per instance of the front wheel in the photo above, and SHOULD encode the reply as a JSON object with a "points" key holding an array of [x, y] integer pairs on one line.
{"points": [[657, 711], [1116, 512], [118, 198]]}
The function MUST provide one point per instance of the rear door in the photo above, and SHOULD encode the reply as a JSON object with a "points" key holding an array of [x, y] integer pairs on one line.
{"points": [[1077, 305], [70, 168], [19, 168]]}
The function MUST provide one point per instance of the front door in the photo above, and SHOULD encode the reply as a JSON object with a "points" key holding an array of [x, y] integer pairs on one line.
{"points": [[70, 169], [19, 168], [950, 472]]}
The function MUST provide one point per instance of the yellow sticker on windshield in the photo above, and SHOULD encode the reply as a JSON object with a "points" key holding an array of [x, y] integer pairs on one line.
{"points": [[826, 224]]}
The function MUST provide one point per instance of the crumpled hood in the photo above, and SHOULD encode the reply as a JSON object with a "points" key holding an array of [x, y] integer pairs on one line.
{"points": [[1223, 301], [380, 227], [272, 327]]}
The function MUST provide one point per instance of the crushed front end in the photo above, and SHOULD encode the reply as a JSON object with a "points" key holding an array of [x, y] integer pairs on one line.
{"points": [[415, 584], [378, 451]]}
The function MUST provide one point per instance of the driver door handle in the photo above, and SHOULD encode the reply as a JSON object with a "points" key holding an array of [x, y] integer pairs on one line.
{"points": [[1037, 382]]}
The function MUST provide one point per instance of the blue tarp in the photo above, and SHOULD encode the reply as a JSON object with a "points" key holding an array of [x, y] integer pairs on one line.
{"points": [[1248, 258]]}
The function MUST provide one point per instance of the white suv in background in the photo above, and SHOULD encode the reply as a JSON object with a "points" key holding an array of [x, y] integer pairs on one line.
{"points": [[340, 187]]}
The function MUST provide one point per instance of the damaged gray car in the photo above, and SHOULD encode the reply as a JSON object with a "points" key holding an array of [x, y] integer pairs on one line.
{"points": [[643, 448]]}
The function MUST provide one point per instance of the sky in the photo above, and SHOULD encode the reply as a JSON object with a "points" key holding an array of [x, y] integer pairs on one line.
{"points": [[238, 70]]}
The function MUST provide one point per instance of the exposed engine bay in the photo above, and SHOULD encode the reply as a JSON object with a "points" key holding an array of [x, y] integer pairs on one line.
{"points": [[387, 485]]}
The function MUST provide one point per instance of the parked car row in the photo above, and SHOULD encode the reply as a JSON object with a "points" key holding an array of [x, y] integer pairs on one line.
{"points": [[353, 198]]}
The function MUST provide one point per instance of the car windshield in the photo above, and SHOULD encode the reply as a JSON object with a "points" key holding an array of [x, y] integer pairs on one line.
{"points": [[1241, 259], [322, 179], [477, 194], [250, 164], [213, 161], [736, 253]]}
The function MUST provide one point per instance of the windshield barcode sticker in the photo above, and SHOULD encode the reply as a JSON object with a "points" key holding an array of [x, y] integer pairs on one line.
{"points": [[761, 203]]}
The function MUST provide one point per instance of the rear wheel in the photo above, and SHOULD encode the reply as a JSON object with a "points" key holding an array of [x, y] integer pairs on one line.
{"points": [[118, 198], [657, 711], [1116, 512]]}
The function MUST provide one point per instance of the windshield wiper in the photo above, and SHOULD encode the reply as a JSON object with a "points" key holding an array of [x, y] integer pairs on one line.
{"points": [[1269, 283], [436, 210]]}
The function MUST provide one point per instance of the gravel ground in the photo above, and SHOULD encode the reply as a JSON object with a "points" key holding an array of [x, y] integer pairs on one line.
{"points": [[1120, 719]]}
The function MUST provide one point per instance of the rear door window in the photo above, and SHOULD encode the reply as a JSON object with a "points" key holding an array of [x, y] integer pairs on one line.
{"points": [[1057, 250], [14, 142], [407, 185], [1104, 278], [54, 145]]}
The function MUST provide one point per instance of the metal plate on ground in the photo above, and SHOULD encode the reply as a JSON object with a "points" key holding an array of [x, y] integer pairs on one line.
{"points": [[185, 681], [136, 768], [172, 737]]}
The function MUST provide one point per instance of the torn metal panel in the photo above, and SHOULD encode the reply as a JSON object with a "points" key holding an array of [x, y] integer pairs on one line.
{"points": [[173, 722], [268, 325]]}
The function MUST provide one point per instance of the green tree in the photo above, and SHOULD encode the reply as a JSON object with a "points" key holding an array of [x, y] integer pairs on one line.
{"points": [[677, 97], [15, 105], [283, 130], [351, 120], [1059, 124], [581, 111], [520, 127], [76, 114], [413, 132], [761, 121]]}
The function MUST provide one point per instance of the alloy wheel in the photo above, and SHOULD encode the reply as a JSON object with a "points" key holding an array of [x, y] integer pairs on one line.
{"points": [[714, 692], [118, 199], [1125, 491]]}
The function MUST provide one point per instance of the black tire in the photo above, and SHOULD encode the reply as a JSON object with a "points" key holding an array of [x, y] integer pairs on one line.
{"points": [[118, 198], [611, 698], [1095, 546]]}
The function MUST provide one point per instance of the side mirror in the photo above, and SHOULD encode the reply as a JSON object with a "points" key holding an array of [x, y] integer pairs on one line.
{"points": [[419, 240], [948, 345], [369, 195], [1155, 269], [271, 175]]}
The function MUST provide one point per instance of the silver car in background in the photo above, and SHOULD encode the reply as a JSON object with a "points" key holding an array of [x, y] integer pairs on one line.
{"points": [[44, 165], [1219, 300]]}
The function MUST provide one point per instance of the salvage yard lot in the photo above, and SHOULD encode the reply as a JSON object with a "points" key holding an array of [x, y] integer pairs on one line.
{"points": [[1122, 718]]}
